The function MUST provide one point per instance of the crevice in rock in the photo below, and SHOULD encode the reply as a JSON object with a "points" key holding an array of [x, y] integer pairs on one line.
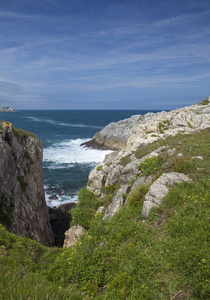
{"points": [[60, 218]]}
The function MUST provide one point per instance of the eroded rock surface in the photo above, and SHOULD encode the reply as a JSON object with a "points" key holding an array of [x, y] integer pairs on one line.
{"points": [[23, 208], [184, 120], [115, 135], [160, 189], [72, 235], [122, 167]]}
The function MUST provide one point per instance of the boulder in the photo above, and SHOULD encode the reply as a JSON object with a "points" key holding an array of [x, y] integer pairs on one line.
{"points": [[159, 189], [72, 235], [96, 180]]}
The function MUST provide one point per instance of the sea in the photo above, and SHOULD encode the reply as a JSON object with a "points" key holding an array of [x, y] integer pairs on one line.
{"points": [[66, 164]]}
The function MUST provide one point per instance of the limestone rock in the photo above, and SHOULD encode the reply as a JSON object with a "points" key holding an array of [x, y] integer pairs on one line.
{"points": [[159, 189], [113, 176], [141, 181], [72, 235], [130, 172], [161, 125], [96, 180], [116, 202], [115, 135], [140, 131], [23, 208]]}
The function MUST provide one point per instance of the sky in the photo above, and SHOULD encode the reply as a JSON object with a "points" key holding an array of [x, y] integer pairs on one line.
{"points": [[103, 54]]}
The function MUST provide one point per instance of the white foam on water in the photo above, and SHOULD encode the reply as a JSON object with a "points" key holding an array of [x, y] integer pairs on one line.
{"points": [[61, 200], [71, 153], [49, 121]]}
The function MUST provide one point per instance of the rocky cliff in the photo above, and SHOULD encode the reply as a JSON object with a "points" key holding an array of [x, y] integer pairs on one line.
{"points": [[115, 135], [139, 130], [126, 168], [23, 208]]}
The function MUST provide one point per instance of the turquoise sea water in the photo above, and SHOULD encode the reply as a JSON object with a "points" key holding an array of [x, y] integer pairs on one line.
{"points": [[66, 165]]}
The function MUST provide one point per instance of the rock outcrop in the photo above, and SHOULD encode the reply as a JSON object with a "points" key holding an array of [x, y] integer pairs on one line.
{"points": [[122, 167], [72, 235], [7, 109], [160, 189], [23, 208], [184, 120], [115, 135], [140, 130]]}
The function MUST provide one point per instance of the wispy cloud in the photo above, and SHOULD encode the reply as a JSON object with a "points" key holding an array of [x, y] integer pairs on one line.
{"points": [[46, 54]]}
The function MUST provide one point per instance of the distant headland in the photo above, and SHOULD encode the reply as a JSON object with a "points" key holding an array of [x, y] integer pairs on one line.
{"points": [[7, 109]]}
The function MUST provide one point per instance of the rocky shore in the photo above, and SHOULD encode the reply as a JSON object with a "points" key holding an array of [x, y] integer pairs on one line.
{"points": [[23, 208], [139, 130], [122, 166]]}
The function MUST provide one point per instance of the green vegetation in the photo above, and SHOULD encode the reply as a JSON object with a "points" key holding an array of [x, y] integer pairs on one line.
{"points": [[86, 208], [28, 156], [99, 168], [151, 165], [6, 209], [204, 102], [165, 256], [163, 126], [125, 160], [189, 124], [22, 134], [23, 183]]}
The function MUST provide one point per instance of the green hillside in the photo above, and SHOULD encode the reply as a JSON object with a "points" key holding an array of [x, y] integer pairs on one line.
{"points": [[165, 256]]}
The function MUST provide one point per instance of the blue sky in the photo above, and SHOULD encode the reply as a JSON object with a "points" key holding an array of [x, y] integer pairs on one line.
{"points": [[101, 54]]}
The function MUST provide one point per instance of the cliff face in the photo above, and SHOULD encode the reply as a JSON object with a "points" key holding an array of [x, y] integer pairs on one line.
{"points": [[23, 208], [115, 135], [140, 130], [122, 168]]}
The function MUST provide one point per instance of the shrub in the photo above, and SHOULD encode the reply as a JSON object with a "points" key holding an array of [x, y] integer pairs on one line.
{"points": [[136, 197], [99, 168], [181, 165], [150, 165], [205, 101], [85, 209]]}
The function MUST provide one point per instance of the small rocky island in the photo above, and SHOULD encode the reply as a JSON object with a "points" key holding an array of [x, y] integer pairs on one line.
{"points": [[7, 109]]}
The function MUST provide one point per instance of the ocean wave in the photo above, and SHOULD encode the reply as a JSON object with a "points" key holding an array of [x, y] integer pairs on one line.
{"points": [[61, 200], [69, 153], [53, 122]]}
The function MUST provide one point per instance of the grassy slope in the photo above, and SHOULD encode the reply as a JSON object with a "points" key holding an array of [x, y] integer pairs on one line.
{"points": [[164, 257]]}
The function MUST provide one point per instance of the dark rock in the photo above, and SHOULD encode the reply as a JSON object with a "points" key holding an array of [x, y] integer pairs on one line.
{"points": [[23, 208], [60, 219], [53, 197]]}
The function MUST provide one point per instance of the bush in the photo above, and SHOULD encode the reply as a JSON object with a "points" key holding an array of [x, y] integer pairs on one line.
{"points": [[151, 165], [85, 209], [136, 197], [181, 165]]}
